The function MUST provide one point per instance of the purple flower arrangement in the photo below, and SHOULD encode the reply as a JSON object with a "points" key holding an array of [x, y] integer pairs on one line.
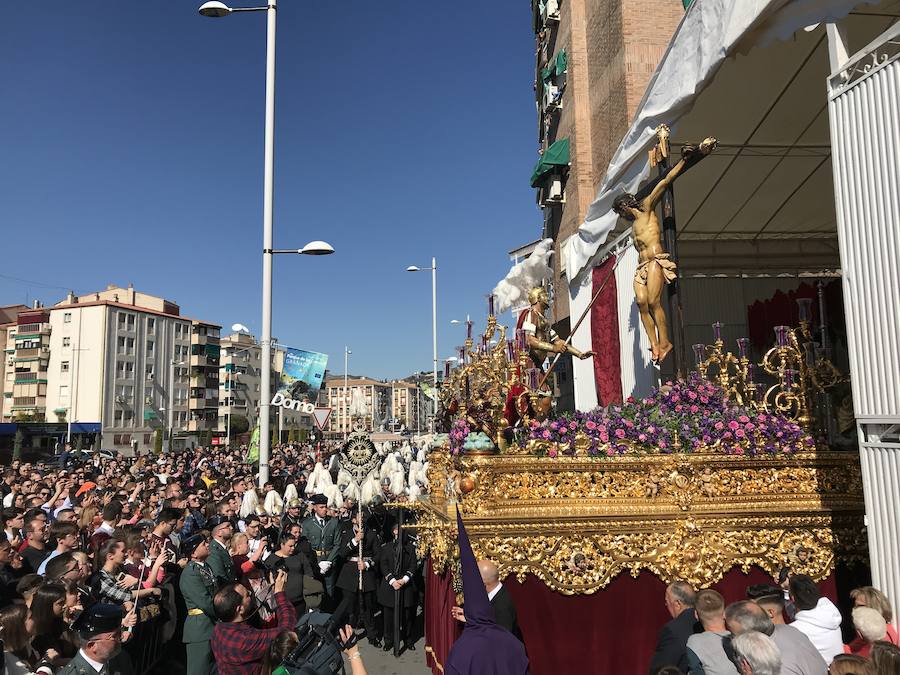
{"points": [[458, 434], [691, 416]]}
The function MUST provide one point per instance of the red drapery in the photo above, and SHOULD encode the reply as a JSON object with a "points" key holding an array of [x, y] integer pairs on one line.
{"points": [[614, 630], [441, 629], [605, 334]]}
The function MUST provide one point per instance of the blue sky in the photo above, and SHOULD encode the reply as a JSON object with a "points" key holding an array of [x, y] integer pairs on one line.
{"points": [[131, 151]]}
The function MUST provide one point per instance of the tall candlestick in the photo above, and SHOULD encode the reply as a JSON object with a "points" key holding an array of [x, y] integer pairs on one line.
{"points": [[751, 372], [533, 378], [491, 304], [462, 356], [717, 331], [510, 351], [468, 329], [484, 343], [804, 308], [446, 370], [742, 345]]}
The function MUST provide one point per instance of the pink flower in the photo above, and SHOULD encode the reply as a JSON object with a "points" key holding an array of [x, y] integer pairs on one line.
{"points": [[554, 426], [651, 429], [692, 396], [661, 443], [563, 430], [740, 433], [743, 419], [761, 417], [610, 452], [620, 433], [749, 426], [703, 399], [694, 409], [590, 424], [629, 424], [642, 438], [545, 433], [726, 435], [551, 452], [604, 438], [733, 425], [603, 430], [573, 425], [676, 398], [678, 408], [718, 426]]}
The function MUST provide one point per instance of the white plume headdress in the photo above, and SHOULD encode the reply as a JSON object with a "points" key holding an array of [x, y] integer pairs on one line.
{"points": [[512, 291]]}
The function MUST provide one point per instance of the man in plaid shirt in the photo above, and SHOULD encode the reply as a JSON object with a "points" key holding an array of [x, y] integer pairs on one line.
{"points": [[238, 647]]}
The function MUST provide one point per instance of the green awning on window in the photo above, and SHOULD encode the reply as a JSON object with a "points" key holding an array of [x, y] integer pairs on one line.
{"points": [[557, 66], [555, 156], [150, 415]]}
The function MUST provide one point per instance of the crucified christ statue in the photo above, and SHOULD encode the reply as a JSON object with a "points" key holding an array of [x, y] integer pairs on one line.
{"points": [[655, 269]]}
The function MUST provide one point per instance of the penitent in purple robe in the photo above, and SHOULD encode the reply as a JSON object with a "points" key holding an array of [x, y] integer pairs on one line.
{"points": [[484, 647]]}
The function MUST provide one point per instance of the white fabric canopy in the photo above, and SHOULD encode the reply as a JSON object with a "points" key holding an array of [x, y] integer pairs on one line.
{"points": [[710, 32]]}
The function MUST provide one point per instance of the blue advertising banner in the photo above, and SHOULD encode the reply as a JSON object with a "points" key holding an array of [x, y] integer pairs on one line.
{"points": [[302, 374]]}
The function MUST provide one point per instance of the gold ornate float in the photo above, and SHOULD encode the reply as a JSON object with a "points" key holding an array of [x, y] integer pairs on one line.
{"points": [[577, 522], [703, 476]]}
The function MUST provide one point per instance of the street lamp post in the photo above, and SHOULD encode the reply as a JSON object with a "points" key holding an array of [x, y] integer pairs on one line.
{"points": [[345, 410], [219, 9], [433, 268]]}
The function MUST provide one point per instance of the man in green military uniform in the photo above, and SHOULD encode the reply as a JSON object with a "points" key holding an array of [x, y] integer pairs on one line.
{"points": [[219, 560], [99, 630], [198, 586], [324, 535]]}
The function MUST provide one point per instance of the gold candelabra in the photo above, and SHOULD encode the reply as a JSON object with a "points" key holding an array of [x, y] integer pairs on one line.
{"points": [[800, 369]]}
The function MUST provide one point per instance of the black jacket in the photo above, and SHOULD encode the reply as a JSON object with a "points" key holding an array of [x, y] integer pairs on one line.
{"points": [[671, 645], [505, 612], [348, 577], [389, 567]]}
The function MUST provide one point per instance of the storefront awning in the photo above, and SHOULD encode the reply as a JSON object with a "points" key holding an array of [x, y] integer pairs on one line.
{"points": [[557, 155], [749, 74]]}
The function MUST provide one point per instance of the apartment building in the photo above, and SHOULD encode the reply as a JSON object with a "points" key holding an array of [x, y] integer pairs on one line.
{"points": [[203, 404], [407, 405], [8, 329], [375, 394], [593, 61], [123, 362], [27, 357]]}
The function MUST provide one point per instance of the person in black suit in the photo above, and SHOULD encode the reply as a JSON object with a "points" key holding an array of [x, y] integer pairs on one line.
{"points": [[397, 590], [671, 645], [499, 597]]}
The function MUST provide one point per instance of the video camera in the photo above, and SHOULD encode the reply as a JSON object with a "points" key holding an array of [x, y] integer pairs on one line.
{"points": [[320, 646]]}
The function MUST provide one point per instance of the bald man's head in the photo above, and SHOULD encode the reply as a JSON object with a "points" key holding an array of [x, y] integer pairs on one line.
{"points": [[490, 574]]}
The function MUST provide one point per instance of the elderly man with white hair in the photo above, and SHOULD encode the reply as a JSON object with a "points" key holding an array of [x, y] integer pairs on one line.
{"points": [[756, 654], [870, 626]]}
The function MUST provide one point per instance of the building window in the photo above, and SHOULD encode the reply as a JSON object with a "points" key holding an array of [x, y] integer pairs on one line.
{"points": [[64, 367], [67, 317], [130, 346], [151, 325], [64, 391], [67, 342], [148, 371], [150, 345]]}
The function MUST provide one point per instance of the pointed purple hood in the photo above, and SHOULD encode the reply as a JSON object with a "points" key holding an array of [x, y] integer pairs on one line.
{"points": [[484, 647]]}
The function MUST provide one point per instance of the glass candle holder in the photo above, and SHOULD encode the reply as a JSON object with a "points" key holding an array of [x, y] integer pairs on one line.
{"points": [[717, 331], [533, 378], [782, 336], [447, 368], [804, 308], [520, 339], [751, 372], [484, 343], [462, 355], [491, 304], [743, 344], [699, 353], [510, 351]]}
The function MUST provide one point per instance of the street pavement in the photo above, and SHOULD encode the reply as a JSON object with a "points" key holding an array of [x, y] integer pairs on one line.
{"points": [[379, 662]]}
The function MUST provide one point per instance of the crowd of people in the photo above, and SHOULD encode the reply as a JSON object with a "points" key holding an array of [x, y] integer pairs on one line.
{"points": [[785, 628], [105, 559]]}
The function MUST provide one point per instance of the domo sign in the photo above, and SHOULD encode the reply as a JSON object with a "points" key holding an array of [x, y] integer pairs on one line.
{"points": [[283, 401]]}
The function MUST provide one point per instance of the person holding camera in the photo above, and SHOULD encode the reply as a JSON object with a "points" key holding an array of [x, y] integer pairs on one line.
{"points": [[238, 647]]}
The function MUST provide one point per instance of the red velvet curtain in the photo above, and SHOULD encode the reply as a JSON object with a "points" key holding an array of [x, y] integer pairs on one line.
{"points": [[441, 629], [605, 334], [612, 631]]}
